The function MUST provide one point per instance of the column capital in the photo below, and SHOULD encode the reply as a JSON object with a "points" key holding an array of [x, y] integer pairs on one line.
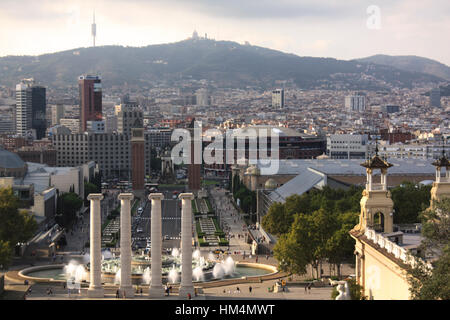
{"points": [[126, 196], [187, 196], [156, 196], [95, 196]]}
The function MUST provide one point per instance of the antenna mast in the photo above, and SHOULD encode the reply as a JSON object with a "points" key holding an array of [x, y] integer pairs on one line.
{"points": [[94, 30]]}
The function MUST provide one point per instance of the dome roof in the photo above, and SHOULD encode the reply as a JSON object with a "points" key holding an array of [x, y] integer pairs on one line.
{"points": [[270, 184], [9, 160]]}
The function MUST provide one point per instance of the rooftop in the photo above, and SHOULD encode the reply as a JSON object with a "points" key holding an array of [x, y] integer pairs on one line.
{"points": [[352, 167]]}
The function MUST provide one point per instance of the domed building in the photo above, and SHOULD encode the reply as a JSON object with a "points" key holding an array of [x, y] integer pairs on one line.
{"points": [[11, 165], [270, 184]]}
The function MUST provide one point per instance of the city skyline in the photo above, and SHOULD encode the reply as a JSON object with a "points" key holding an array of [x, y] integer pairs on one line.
{"points": [[306, 29]]}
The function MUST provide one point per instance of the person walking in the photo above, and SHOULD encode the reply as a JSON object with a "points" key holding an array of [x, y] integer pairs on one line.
{"points": [[117, 294], [250, 289]]}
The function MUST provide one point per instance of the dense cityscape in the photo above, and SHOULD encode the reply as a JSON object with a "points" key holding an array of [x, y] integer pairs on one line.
{"points": [[94, 204]]}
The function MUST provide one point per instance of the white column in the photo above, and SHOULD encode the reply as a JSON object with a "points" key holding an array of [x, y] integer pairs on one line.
{"points": [[156, 290], [438, 174], [125, 244], [95, 287], [186, 245]]}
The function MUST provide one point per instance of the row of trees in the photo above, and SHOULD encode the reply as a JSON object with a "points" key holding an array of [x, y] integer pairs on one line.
{"points": [[409, 201], [16, 225], [69, 204], [247, 198], [313, 228]]}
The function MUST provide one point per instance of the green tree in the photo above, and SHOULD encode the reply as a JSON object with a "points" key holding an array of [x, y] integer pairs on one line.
{"points": [[5, 254], [308, 236], [409, 200], [16, 226], [426, 284], [276, 220], [88, 189], [340, 246], [69, 204]]}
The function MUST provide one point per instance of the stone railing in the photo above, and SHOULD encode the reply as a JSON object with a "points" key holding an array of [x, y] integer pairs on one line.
{"points": [[391, 247]]}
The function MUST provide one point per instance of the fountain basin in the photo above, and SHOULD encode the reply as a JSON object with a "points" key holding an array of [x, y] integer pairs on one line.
{"points": [[56, 273]]}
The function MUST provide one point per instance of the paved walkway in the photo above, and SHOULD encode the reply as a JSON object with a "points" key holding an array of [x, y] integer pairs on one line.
{"points": [[231, 221]]}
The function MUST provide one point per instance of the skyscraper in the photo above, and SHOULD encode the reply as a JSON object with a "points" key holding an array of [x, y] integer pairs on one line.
{"points": [[90, 89], [278, 98], [30, 108], [355, 103], [38, 110], [203, 97], [435, 98], [94, 30], [23, 107]]}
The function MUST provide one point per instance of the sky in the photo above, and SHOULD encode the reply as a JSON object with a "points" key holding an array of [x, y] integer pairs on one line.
{"points": [[342, 29]]}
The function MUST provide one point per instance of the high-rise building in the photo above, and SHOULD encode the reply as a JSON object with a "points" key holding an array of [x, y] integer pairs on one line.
{"points": [[38, 110], [57, 113], [355, 103], [23, 108], [30, 108], [129, 116], [435, 98], [203, 97], [278, 98], [90, 90]]}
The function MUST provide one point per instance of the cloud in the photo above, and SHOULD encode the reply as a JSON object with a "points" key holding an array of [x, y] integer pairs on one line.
{"points": [[332, 28]]}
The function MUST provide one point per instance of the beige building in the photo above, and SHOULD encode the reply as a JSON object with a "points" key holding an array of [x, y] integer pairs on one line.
{"points": [[383, 249]]}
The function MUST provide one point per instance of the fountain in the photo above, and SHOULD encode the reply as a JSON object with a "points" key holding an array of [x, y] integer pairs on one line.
{"points": [[146, 277], [173, 275], [198, 274], [224, 268], [117, 277], [218, 271], [175, 253], [75, 271], [196, 255]]}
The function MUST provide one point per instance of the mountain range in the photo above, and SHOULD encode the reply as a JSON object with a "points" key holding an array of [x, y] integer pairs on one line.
{"points": [[411, 63], [228, 64]]}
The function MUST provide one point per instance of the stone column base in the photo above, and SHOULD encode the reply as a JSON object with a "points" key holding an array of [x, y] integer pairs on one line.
{"points": [[184, 292], [96, 292], [156, 292], [129, 291]]}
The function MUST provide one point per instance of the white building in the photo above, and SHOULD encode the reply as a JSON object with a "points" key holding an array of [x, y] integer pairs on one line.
{"points": [[411, 151], [278, 98], [203, 97], [347, 146], [355, 103], [23, 107]]}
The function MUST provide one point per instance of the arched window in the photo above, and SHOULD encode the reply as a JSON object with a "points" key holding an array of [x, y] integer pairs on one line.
{"points": [[378, 222]]}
